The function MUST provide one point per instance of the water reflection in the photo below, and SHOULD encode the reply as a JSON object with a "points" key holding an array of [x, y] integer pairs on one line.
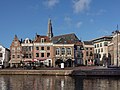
{"points": [[24, 82], [36, 82], [97, 83]]}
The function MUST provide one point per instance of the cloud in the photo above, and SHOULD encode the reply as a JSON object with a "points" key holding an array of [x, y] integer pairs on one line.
{"points": [[68, 20], [78, 25], [81, 5], [51, 3], [100, 12]]}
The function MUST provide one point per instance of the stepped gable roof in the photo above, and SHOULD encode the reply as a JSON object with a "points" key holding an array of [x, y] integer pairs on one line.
{"points": [[88, 42], [65, 39], [38, 38]]}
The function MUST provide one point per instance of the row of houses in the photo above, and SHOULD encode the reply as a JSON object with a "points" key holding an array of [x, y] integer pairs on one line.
{"points": [[50, 50], [47, 50]]}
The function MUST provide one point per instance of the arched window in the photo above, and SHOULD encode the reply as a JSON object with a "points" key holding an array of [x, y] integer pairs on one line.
{"points": [[63, 51], [57, 51], [69, 51]]}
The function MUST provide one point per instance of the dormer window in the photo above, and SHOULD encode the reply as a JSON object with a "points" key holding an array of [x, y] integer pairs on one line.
{"points": [[27, 41], [0, 49], [42, 40]]}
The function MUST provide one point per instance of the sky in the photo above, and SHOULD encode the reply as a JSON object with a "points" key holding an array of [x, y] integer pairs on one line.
{"points": [[88, 19]]}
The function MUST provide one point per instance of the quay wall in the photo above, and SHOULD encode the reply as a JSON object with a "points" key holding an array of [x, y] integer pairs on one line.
{"points": [[36, 72], [98, 72]]}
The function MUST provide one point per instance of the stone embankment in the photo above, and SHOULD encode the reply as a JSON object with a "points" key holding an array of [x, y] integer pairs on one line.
{"points": [[78, 71], [36, 72]]}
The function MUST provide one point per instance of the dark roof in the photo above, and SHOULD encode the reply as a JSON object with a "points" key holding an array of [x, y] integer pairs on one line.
{"points": [[88, 42], [104, 38], [66, 39], [38, 38]]}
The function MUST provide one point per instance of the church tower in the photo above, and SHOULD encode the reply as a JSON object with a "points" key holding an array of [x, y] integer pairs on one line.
{"points": [[50, 33]]}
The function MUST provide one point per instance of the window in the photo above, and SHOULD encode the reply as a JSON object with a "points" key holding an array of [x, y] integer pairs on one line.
{"points": [[42, 40], [13, 49], [91, 54], [37, 48], [105, 43], [0, 62], [18, 48], [98, 50], [30, 48], [63, 51], [100, 44], [13, 56], [48, 48], [18, 56], [42, 54], [86, 53], [86, 48], [101, 49], [26, 55], [30, 56], [15, 43], [0, 49], [37, 54], [90, 48], [1, 55], [27, 41], [48, 54], [68, 51], [42, 48], [78, 48], [97, 45], [57, 51]]}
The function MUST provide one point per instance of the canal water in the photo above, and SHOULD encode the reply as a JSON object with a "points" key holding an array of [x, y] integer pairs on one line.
{"points": [[36, 82]]}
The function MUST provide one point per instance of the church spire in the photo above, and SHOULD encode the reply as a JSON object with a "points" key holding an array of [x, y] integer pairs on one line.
{"points": [[49, 33]]}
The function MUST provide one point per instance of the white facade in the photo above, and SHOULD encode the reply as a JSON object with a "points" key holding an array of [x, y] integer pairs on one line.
{"points": [[101, 46], [4, 56]]}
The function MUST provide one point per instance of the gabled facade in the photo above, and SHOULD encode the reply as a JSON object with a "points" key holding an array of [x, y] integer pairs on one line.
{"points": [[43, 50], [66, 50], [27, 50], [4, 57], [16, 52]]}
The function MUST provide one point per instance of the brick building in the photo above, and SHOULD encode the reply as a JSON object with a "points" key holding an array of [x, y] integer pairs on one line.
{"points": [[16, 52], [67, 49], [88, 53], [47, 49], [43, 50]]}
